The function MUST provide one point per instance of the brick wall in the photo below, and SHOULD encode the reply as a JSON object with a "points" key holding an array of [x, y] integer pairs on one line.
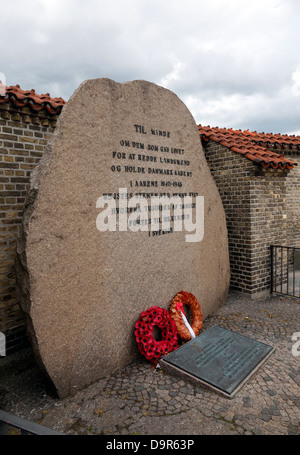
{"points": [[262, 208], [269, 221], [23, 137], [293, 203], [231, 173]]}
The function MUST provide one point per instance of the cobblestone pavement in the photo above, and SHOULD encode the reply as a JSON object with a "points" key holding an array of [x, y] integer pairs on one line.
{"points": [[142, 401]]}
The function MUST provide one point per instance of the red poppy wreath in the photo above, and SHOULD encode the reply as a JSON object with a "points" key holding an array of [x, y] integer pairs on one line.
{"points": [[148, 346]]}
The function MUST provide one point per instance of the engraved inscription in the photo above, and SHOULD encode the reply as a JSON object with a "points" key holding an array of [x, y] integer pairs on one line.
{"points": [[211, 350], [177, 166], [235, 362], [161, 167], [238, 361]]}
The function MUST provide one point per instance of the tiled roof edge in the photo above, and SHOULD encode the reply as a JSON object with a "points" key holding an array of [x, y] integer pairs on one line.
{"points": [[20, 98], [253, 145]]}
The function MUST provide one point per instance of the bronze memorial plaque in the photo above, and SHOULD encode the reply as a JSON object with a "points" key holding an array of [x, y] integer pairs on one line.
{"points": [[219, 358]]}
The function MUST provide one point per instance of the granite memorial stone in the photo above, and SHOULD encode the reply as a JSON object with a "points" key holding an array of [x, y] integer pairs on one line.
{"points": [[95, 248]]}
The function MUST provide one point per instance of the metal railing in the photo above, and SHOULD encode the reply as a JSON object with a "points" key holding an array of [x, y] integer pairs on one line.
{"points": [[285, 270], [25, 426]]}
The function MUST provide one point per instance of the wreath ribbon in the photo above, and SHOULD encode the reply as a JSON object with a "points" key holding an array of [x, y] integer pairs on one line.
{"points": [[179, 307]]}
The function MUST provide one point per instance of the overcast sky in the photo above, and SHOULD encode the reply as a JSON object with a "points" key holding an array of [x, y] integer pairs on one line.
{"points": [[235, 63]]}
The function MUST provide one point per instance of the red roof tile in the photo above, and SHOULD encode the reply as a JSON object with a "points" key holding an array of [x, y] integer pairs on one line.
{"points": [[254, 146], [20, 98]]}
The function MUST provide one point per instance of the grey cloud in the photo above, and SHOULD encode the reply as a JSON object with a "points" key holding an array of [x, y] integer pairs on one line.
{"points": [[231, 61]]}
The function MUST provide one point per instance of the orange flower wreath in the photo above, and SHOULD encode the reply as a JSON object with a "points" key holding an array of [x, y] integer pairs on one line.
{"points": [[176, 306]]}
